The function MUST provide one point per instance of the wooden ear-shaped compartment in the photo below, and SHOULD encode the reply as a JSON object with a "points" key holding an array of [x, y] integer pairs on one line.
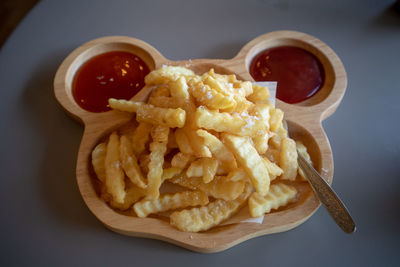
{"points": [[304, 123]]}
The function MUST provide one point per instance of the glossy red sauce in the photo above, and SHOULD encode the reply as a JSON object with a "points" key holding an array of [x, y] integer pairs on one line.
{"points": [[298, 72], [110, 75]]}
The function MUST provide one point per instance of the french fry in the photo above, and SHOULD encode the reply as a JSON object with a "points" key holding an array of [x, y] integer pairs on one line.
{"points": [[114, 174], [260, 142], [302, 149], [124, 105], [159, 133], [273, 170], [183, 142], [154, 176], [98, 161], [243, 124], [195, 169], [160, 90], [242, 105], [166, 74], [140, 137], [218, 149], [133, 194], [219, 187], [260, 93], [210, 166], [211, 98], [237, 175], [278, 196], [171, 117], [181, 160], [244, 87], [170, 172], [275, 120], [250, 161], [203, 218], [203, 167], [273, 155], [262, 111], [220, 122], [277, 136], [170, 202], [163, 102], [199, 148], [216, 84], [179, 88], [288, 159], [161, 116], [129, 163], [144, 161]]}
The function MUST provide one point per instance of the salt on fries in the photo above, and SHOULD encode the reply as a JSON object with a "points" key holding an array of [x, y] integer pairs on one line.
{"points": [[216, 139]]}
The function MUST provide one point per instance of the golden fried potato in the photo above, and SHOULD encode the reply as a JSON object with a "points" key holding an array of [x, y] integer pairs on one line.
{"points": [[170, 202], [239, 124], [276, 118], [154, 176], [273, 170], [211, 98], [302, 149], [130, 164], [279, 195], [203, 218], [250, 161], [124, 105], [140, 138], [133, 194], [170, 172], [98, 161], [181, 160], [288, 159], [183, 142], [260, 94], [169, 117], [219, 187], [179, 88], [115, 176], [218, 149], [167, 74]]}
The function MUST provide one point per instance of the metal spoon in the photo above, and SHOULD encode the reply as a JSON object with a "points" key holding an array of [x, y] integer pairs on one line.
{"points": [[327, 196]]}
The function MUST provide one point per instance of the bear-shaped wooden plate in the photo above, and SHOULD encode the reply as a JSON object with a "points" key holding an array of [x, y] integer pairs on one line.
{"points": [[304, 121]]}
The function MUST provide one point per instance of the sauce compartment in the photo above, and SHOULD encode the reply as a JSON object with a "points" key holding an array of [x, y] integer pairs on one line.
{"points": [[334, 74], [63, 82]]}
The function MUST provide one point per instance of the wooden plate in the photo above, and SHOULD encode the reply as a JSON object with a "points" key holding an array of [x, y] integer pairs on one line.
{"points": [[304, 120]]}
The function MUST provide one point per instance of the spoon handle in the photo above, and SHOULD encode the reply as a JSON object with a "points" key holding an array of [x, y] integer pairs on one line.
{"points": [[327, 196]]}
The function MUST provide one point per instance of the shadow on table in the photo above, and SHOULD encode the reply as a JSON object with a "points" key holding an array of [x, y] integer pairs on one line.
{"points": [[389, 18], [61, 137]]}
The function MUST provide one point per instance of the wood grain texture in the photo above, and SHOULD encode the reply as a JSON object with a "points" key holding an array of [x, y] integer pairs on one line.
{"points": [[304, 120]]}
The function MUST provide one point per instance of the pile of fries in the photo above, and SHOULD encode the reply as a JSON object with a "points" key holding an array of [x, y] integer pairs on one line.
{"points": [[216, 137]]}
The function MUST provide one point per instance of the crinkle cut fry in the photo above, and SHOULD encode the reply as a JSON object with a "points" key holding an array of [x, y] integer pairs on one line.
{"points": [[279, 195], [114, 174], [219, 187], [203, 218], [170, 202]]}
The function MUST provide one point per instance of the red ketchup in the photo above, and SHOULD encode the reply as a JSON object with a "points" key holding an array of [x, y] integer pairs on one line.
{"points": [[110, 75], [298, 72]]}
